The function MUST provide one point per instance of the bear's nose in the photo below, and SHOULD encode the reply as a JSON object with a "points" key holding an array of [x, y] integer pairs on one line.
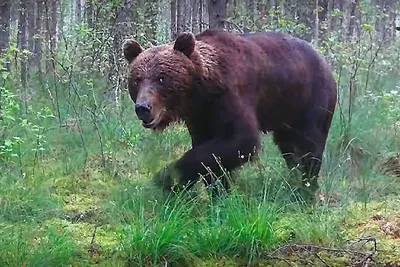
{"points": [[143, 111]]}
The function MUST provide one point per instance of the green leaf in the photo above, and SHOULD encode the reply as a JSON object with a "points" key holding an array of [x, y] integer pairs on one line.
{"points": [[7, 143], [5, 75], [367, 27], [317, 10]]}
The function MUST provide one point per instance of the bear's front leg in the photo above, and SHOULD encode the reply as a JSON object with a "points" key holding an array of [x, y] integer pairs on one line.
{"points": [[209, 160], [167, 177]]}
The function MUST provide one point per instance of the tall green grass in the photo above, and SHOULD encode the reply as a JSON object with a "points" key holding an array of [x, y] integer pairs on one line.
{"points": [[28, 245], [89, 167], [67, 180]]}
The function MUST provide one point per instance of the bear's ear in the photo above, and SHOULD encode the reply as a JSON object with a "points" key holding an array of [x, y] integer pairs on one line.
{"points": [[131, 49], [185, 43]]}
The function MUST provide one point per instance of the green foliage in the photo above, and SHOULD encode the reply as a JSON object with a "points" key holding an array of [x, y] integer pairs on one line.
{"points": [[9, 119], [272, 20], [73, 158], [27, 246]]}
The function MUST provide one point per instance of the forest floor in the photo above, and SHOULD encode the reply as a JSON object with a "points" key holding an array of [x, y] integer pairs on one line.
{"points": [[94, 217]]}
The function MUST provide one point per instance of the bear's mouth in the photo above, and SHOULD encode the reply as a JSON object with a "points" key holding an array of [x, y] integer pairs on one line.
{"points": [[154, 123]]}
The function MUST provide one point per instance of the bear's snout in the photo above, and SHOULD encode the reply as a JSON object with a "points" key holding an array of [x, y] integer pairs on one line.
{"points": [[143, 112]]}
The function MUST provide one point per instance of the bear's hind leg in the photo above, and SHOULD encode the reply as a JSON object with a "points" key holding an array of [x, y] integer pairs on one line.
{"points": [[286, 142], [302, 150], [310, 144]]}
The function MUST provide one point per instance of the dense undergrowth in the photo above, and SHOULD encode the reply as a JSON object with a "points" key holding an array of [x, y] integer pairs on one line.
{"points": [[75, 189]]}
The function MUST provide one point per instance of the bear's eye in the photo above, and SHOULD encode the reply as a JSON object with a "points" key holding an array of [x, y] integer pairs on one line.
{"points": [[161, 79], [136, 81]]}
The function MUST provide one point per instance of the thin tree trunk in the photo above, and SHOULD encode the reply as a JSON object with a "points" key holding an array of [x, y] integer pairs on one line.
{"points": [[51, 40], [217, 12], [261, 7], [4, 32], [123, 29], [22, 42], [78, 11], [321, 7], [137, 20], [51, 32], [5, 11], [30, 9], [251, 7], [341, 8], [201, 15], [324, 9], [61, 14], [386, 19], [195, 14], [151, 14], [187, 15], [173, 20], [392, 19], [352, 21], [14, 10], [53, 26], [329, 18], [89, 13], [31, 23], [307, 17], [37, 46], [316, 26], [180, 20]]}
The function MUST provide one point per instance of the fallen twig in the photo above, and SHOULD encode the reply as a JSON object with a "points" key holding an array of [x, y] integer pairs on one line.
{"points": [[366, 257], [321, 259], [92, 249], [93, 235], [281, 259], [313, 248]]}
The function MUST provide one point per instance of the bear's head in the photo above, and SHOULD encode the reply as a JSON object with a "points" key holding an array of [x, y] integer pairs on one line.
{"points": [[160, 79]]}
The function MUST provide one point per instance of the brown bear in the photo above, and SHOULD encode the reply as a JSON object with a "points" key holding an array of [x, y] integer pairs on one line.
{"points": [[228, 88]]}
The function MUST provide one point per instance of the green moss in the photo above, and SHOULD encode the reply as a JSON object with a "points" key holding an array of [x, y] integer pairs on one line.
{"points": [[299, 260], [99, 249], [82, 232], [29, 244], [220, 262], [369, 221], [79, 202]]}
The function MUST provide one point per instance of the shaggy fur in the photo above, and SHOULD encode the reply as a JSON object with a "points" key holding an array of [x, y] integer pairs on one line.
{"points": [[227, 88]]}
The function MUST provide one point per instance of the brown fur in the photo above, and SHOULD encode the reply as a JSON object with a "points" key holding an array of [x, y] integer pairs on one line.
{"points": [[227, 88]]}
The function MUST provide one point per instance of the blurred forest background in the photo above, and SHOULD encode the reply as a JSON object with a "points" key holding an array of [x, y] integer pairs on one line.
{"points": [[39, 35], [75, 163]]}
